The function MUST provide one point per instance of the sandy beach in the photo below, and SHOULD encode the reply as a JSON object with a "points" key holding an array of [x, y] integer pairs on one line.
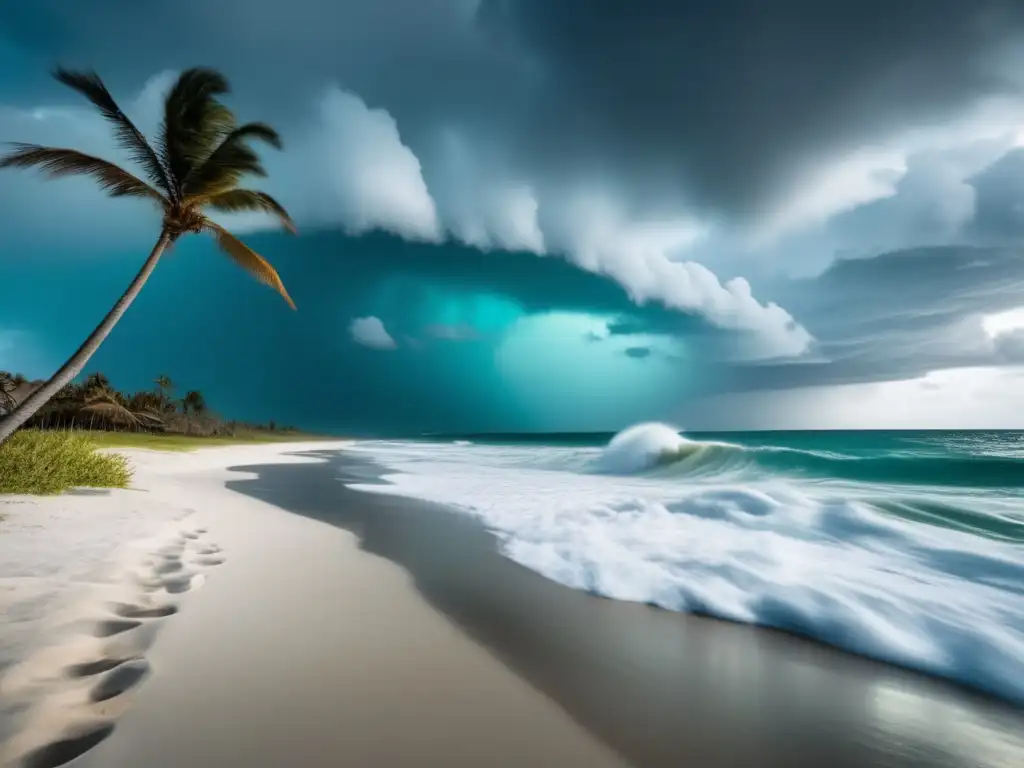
{"points": [[298, 649], [241, 606]]}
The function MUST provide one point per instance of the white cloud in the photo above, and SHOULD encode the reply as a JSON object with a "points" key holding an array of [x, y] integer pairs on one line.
{"points": [[1004, 333], [643, 257], [480, 204], [353, 169], [1003, 322], [370, 332]]}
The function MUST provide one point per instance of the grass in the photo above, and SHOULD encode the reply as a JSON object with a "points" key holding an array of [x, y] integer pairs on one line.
{"points": [[172, 442], [52, 461], [46, 463]]}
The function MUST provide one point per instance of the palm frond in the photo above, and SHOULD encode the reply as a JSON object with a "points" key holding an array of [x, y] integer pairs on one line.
{"points": [[249, 260], [110, 410], [231, 160], [113, 179], [239, 200], [194, 121], [260, 131], [149, 419], [128, 136]]}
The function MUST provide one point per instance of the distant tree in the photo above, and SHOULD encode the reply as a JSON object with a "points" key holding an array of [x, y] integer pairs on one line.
{"points": [[194, 402], [95, 404], [164, 387], [94, 382], [150, 407], [199, 159], [8, 385], [113, 407]]}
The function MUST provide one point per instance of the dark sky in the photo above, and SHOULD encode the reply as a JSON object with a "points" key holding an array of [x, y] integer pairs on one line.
{"points": [[529, 215]]}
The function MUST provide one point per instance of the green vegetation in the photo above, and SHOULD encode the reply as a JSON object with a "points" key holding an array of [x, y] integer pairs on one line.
{"points": [[95, 406], [51, 462], [172, 442], [196, 165]]}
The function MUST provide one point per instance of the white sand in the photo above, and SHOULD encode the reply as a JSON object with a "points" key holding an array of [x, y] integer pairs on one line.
{"points": [[298, 649]]}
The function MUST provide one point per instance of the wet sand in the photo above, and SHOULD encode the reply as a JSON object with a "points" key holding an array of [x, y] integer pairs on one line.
{"points": [[427, 648]]}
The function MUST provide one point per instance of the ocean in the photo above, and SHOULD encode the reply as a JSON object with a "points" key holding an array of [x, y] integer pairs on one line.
{"points": [[907, 547]]}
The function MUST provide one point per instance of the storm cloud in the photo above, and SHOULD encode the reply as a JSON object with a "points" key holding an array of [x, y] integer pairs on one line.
{"points": [[899, 316], [800, 194]]}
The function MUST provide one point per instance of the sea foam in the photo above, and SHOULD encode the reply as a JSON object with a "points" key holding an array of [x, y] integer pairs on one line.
{"points": [[641, 447], [822, 560]]}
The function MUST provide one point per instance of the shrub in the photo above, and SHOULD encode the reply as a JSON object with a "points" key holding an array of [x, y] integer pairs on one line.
{"points": [[51, 462]]}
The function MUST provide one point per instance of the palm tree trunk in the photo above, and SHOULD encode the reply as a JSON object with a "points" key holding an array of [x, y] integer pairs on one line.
{"points": [[74, 366]]}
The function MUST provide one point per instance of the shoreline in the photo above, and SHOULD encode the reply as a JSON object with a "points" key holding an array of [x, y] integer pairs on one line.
{"points": [[591, 654], [372, 629]]}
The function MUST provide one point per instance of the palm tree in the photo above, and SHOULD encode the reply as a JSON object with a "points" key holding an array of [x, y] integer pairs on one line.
{"points": [[111, 406], [163, 384], [195, 402], [200, 157], [164, 387], [93, 382]]}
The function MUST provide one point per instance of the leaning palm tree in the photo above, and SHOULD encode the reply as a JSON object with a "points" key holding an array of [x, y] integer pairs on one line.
{"points": [[196, 164], [107, 404]]}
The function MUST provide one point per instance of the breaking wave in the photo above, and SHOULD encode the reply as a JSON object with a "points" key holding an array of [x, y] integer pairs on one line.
{"points": [[927, 576], [661, 449]]}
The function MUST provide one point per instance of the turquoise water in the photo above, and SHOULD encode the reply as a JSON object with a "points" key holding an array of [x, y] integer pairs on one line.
{"points": [[903, 546], [990, 462]]}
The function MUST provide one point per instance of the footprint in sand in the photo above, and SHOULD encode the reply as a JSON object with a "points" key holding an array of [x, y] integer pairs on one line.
{"points": [[72, 744], [129, 611], [121, 665], [111, 627], [120, 679], [91, 668], [167, 566], [180, 584]]}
